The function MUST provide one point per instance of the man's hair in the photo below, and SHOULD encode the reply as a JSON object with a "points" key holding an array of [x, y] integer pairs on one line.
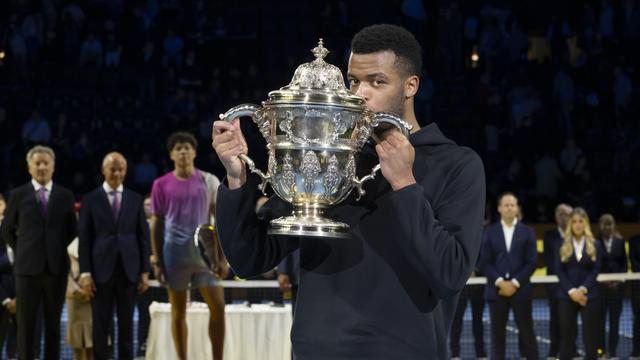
{"points": [[181, 137], [386, 37], [40, 149], [506, 193]]}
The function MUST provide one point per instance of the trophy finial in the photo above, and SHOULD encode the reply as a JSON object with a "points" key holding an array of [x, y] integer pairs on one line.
{"points": [[320, 51]]}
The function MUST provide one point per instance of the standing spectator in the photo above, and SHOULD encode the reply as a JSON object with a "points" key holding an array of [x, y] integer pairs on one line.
{"points": [[508, 258], [634, 258], [614, 260], [181, 201], [114, 255], [552, 241], [577, 267], [145, 172], [40, 223], [79, 317], [36, 130], [91, 52]]}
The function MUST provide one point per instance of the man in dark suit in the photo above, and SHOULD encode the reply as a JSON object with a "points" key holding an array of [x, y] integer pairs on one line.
{"points": [[552, 242], [40, 223], [508, 258], [614, 260], [634, 258], [114, 255]]}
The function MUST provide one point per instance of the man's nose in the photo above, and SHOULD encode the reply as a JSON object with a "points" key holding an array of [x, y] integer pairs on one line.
{"points": [[363, 90]]}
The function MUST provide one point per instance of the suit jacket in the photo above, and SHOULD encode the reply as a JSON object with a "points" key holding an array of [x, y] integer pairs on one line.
{"points": [[552, 242], [574, 273], [102, 237], [40, 243], [7, 284], [616, 260], [290, 265], [634, 253], [517, 263]]}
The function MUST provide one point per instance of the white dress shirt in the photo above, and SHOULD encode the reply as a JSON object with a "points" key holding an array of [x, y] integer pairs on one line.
{"points": [[508, 231], [37, 186], [608, 243], [109, 191]]}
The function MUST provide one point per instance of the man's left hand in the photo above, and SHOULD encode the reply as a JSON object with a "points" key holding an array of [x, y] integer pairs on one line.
{"points": [[143, 284], [396, 160], [507, 289]]}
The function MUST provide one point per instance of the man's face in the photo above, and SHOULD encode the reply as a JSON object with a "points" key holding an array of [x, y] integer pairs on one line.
{"points": [[606, 228], [378, 80], [183, 154], [3, 206], [114, 171], [562, 216], [508, 207], [41, 167], [147, 207]]}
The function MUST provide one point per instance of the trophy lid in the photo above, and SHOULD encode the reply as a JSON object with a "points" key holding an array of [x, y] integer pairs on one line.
{"points": [[316, 82]]}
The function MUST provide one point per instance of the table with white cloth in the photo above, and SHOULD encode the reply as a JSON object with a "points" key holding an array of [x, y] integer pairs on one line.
{"points": [[259, 331]]}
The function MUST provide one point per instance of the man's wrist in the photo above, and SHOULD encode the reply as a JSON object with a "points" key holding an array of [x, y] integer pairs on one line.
{"points": [[236, 182], [6, 301], [403, 183], [85, 275], [498, 281]]}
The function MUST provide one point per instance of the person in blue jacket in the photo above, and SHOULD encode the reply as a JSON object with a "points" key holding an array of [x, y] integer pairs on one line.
{"points": [[577, 267], [390, 291]]}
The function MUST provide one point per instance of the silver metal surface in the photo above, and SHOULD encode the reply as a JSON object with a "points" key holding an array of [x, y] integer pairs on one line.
{"points": [[315, 129]]}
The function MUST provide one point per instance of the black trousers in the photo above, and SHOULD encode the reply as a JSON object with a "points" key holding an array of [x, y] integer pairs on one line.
{"points": [[554, 323], [31, 291], [591, 327], [635, 307], [522, 312], [152, 294], [611, 299], [119, 293], [8, 332], [475, 294]]}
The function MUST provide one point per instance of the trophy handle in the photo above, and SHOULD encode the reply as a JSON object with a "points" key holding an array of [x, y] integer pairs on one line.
{"points": [[253, 111], [378, 118]]}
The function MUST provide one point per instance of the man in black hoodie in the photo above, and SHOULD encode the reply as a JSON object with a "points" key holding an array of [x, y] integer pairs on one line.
{"points": [[390, 291]]}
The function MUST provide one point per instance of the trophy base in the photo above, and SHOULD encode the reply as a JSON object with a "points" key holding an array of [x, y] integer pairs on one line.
{"points": [[316, 226]]}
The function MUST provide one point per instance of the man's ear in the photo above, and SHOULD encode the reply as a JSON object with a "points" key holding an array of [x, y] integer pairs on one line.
{"points": [[411, 85]]}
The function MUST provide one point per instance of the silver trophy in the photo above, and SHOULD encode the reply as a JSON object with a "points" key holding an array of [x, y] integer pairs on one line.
{"points": [[314, 128]]}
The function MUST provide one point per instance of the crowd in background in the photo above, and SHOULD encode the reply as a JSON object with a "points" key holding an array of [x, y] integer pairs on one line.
{"points": [[543, 90]]}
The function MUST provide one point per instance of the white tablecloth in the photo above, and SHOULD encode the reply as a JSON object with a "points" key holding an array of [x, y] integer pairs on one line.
{"points": [[256, 332]]}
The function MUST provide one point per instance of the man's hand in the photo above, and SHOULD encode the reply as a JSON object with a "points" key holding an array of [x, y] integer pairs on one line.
{"points": [[579, 297], [222, 270], [284, 282], [228, 142], [507, 288], [87, 285], [396, 159], [143, 283], [11, 306], [158, 271]]}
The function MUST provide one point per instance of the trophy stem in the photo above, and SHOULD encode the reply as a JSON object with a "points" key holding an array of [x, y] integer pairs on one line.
{"points": [[309, 220]]}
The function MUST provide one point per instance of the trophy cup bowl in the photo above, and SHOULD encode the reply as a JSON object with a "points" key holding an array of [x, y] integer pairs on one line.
{"points": [[314, 128]]}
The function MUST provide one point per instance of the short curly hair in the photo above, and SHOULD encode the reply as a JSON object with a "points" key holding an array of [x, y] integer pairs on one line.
{"points": [[387, 37], [181, 137]]}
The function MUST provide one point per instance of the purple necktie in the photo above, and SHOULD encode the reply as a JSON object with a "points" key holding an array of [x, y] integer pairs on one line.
{"points": [[42, 197], [115, 204]]}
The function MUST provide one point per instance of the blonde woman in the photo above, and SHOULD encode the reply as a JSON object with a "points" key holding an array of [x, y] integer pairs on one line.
{"points": [[577, 268]]}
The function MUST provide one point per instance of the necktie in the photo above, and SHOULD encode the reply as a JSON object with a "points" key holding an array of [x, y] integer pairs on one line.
{"points": [[42, 197], [115, 204]]}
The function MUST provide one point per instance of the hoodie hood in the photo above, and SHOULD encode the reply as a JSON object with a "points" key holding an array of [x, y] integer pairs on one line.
{"points": [[429, 135]]}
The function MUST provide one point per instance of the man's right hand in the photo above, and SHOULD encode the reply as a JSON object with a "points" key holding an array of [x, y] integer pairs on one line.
{"points": [[86, 283], [228, 142], [11, 306], [284, 282]]}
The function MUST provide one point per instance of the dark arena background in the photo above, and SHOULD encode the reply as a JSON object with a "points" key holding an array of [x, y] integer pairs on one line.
{"points": [[545, 91]]}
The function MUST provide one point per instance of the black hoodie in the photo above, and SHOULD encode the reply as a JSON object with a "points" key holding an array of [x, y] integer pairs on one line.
{"points": [[390, 291]]}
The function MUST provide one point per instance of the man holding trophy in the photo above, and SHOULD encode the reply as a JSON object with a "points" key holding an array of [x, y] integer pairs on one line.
{"points": [[380, 267]]}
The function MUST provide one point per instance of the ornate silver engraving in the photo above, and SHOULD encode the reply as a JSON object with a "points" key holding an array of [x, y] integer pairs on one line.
{"points": [[273, 164], [310, 169], [331, 178], [350, 168], [318, 74], [288, 176]]}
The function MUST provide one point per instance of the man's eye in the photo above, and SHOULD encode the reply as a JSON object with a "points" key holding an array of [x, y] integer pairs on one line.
{"points": [[377, 82], [353, 81]]}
